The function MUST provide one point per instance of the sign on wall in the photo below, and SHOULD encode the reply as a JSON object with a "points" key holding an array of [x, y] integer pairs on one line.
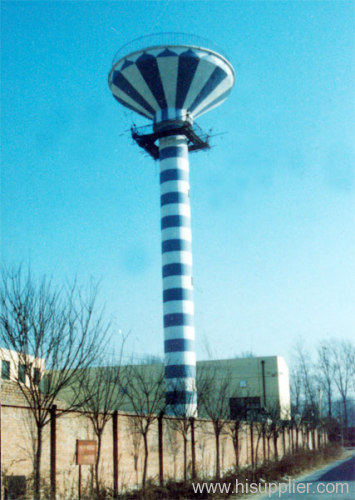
{"points": [[86, 452]]}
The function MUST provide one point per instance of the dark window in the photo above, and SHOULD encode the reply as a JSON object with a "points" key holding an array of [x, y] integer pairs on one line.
{"points": [[47, 382], [240, 406], [15, 487], [5, 370], [22, 373], [36, 376]]}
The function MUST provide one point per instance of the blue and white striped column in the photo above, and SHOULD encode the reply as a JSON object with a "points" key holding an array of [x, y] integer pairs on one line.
{"points": [[179, 331]]}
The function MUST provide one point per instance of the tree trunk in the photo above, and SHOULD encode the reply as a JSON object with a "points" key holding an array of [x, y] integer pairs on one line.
{"points": [[185, 457], [256, 457], [345, 409], [236, 445], [193, 451], [217, 432], [264, 443], [99, 439], [275, 447], [252, 447], [146, 452], [37, 471]]}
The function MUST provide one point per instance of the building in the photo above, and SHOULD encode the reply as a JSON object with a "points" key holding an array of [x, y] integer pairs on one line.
{"points": [[258, 384], [15, 366]]}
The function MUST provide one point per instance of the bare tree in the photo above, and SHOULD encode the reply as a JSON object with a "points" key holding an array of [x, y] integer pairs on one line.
{"points": [[258, 429], [182, 425], [136, 436], [180, 410], [238, 415], [296, 389], [144, 388], [344, 370], [326, 372], [215, 388], [100, 389], [235, 429], [267, 433], [38, 322], [274, 425], [307, 379], [245, 354], [173, 432]]}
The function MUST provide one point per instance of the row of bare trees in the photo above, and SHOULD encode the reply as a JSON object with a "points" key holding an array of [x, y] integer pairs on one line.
{"points": [[67, 329], [140, 389], [322, 386]]}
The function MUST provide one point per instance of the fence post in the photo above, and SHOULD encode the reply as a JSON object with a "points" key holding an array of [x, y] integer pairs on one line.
{"points": [[161, 450], [193, 452], [115, 454], [53, 451]]}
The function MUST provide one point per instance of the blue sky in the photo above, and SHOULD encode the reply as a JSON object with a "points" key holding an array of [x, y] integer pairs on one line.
{"points": [[272, 201]]}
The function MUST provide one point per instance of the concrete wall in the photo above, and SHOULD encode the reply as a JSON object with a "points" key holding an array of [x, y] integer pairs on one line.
{"points": [[18, 432]]}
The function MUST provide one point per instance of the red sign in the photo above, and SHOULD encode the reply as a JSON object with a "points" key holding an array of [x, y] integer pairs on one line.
{"points": [[86, 452]]}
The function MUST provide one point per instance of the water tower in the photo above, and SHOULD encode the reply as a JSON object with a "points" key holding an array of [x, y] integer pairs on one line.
{"points": [[172, 79]]}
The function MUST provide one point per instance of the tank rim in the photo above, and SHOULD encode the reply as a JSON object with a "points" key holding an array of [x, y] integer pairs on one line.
{"points": [[164, 38]]}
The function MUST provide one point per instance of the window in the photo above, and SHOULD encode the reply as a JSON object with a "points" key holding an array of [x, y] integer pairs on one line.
{"points": [[243, 383], [15, 487], [239, 407], [22, 373], [47, 382], [5, 370], [36, 376]]}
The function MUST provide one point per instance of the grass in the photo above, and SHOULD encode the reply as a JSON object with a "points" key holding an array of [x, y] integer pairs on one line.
{"points": [[288, 466]]}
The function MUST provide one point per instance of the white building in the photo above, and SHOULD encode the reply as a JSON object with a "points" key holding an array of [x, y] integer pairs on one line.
{"points": [[19, 367]]}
